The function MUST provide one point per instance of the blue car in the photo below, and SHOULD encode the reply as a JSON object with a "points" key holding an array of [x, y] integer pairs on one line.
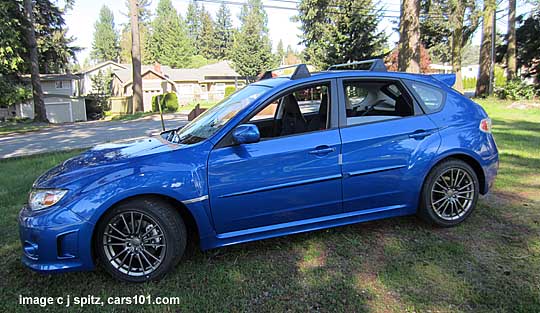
{"points": [[284, 155]]}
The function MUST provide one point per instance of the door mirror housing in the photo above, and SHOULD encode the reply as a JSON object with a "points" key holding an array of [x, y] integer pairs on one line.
{"points": [[246, 133]]}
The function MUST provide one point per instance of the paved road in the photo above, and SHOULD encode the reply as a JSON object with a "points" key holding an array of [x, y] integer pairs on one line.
{"points": [[83, 135]]}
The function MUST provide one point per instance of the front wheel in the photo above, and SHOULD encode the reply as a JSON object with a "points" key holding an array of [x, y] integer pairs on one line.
{"points": [[449, 194], [140, 240]]}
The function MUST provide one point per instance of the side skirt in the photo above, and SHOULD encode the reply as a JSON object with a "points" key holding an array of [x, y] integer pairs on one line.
{"points": [[271, 231]]}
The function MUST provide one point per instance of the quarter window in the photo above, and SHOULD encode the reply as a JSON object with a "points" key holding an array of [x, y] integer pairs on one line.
{"points": [[431, 97]]}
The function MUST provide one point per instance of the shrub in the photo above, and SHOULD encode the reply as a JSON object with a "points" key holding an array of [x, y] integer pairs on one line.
{"points": [[469, 82], [517, 90], [229, 90], [168, 101]]}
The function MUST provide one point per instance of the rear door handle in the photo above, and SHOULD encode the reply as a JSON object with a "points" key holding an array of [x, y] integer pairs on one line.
{"points": [[322, 150], [420, 134]]}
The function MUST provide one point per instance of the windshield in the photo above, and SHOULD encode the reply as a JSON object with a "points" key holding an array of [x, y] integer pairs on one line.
{"points": [[208, 123]]}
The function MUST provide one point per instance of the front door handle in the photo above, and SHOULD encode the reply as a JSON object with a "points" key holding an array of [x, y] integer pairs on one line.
{"points": [[322, 150], [420, 134]]}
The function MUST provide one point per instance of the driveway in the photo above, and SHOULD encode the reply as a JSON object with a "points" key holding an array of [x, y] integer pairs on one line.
{"points": [[83, 135]]}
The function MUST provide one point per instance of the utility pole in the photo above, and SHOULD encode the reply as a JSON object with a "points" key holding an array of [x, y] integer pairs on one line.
{"points": [[492, 67]]}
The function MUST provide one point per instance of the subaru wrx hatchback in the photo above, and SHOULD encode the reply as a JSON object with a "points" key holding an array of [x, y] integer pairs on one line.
{"points": [[283, 155]]}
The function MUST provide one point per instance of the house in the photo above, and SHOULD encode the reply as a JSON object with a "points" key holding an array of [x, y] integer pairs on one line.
{"points": [[107, 68], [63, 102], [206, 83], [468, 71]]}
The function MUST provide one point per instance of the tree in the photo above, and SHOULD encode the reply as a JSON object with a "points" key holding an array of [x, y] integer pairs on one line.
{"points": [[409, 37], [136, 57], [207, 41], [223, 32], [125, 36], [483, 82], [511, 50], [105, 45], [391, 61], [39, 105], [193, 23], [291, 57], [528, 46], [340, 31], [252, 49], [169, 43], [280, 53]]}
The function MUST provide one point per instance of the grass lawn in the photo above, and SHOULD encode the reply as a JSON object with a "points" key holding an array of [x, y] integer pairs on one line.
{"points": [[491, 263], [20, 127]]}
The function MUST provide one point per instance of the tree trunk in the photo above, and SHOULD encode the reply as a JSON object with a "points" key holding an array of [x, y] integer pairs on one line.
{"points": [[457, 42], [482, 84], [40, 114], [409, 37], [136, 56], [511, 52]]}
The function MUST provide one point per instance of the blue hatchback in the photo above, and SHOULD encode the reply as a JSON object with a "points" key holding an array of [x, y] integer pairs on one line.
{"points": [[281, 156]]}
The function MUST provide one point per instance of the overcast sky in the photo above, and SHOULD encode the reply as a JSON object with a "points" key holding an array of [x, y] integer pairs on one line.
{"points": [[80, 20]]}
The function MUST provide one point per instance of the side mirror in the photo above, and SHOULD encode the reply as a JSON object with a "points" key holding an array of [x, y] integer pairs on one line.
{"points": [[246, 133]]}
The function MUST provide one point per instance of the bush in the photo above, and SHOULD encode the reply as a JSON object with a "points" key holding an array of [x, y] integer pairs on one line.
{"points": [[169, 102], [229, 90], [469, 83], [517, 90]]}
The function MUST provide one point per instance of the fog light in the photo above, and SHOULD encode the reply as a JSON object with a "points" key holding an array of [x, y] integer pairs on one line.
{"points": [[31, 250]]}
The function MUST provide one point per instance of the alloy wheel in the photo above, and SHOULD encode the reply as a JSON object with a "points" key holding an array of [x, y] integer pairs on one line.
{"points": [[134, 243], [452, 194]]}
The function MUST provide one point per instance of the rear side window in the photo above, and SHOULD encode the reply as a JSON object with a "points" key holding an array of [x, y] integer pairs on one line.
{"points": [[431, 97]]}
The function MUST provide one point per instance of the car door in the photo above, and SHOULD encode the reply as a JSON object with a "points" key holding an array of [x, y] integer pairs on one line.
{"points": [[279, 179], [386, 151]]}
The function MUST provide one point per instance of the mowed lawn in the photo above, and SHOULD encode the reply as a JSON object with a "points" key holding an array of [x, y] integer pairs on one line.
{"points": [[490, 263]]}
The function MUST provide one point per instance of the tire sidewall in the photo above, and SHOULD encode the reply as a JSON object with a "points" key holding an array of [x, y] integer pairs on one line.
{"points": [[426, 208], [170, 223]]}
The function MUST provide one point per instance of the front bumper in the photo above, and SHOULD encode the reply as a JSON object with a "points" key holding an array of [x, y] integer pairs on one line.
{"points": [[55, 240]]}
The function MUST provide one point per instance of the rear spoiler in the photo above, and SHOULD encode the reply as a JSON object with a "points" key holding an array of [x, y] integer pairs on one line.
{"points": [[447, 79]]}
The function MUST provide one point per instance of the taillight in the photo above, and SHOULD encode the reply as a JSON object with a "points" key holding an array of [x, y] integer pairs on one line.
{"points": [[485, 125]]}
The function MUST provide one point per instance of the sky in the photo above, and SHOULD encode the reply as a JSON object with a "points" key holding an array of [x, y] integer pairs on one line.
{"points": [[81, 19]]}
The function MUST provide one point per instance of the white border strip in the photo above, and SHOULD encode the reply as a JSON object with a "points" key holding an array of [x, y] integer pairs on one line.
{"points": [[198, 199]]}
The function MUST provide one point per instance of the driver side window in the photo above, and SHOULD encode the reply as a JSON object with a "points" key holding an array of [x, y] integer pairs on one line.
{"points": [[368, 101]]}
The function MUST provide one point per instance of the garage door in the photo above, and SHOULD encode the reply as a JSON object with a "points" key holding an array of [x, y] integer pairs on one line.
{"points": [[58, 112]]}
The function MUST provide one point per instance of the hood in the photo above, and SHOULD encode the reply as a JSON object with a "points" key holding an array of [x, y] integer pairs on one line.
{"points": [[94, 160]]}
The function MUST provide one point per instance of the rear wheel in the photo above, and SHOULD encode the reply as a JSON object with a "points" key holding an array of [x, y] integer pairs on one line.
{"points": [[449, 194], [140, 240]]}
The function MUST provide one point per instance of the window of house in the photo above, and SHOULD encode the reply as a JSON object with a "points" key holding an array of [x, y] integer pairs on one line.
{"points": [[368, 102], [59, 84], [303, 110]]}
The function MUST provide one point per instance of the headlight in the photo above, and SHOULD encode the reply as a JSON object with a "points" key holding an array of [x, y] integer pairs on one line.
{"points": [[43, 198]]}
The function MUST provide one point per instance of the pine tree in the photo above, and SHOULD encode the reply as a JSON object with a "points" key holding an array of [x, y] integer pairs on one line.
{"points": [[280, 53], [340, 31], [482, 84], [252, 49], [193, 23], [105, 45], [223, 32], [169, 43], [511, 50], [144, 32], [409, 37], [207, 41]]}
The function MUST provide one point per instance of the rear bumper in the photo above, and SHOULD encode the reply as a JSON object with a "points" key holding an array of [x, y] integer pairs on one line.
{"points": [[490, 173], [55, 241]]}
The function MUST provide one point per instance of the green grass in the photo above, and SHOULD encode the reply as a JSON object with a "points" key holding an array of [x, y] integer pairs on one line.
{"points": [[20, 126], [191, 106], [491, 263]]}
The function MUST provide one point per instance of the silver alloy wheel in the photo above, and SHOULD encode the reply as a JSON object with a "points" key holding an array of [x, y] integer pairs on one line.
{"points": [[452, 194], [134, 243]]}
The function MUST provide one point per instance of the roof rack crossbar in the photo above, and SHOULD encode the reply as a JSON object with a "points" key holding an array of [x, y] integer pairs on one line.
{"points": [[377, 65], [301, 71]]}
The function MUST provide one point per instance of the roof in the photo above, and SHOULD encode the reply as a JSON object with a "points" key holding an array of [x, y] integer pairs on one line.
{"points": [[53, 77], [100, 65], [221, 69], [151, 71]]}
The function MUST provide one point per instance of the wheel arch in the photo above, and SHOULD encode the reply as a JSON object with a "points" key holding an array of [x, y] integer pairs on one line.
{"points": [[471, 161], [188, 218]]}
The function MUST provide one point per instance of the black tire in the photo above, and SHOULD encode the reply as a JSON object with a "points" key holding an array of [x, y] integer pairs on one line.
{"points": [[434, 196], [167, 241]]}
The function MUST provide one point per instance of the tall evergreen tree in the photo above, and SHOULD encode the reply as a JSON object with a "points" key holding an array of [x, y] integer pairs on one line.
{"points": [[511, 50], [280, 53], [207, 43], [483, 82], [223, 32], [169, 43], [409, 37], [193, 23], [138, 105], [340, 31], [252, 49], [105, 45], [144, 31]]}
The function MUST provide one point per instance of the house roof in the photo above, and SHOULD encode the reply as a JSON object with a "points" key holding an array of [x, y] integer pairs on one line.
{"points": [[220, 69], [100, 65], [150, 71], [53, 77]]}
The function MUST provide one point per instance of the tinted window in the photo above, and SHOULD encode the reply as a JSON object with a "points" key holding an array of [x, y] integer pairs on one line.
{"points": [[431, 97], [368, 101]]}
